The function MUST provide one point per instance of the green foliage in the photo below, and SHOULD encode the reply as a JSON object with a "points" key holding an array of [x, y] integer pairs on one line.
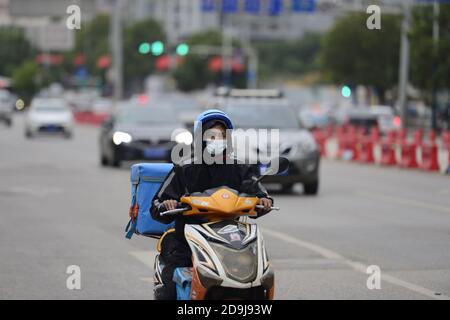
{"points": [[93, 40], [136, 65], [193, 73], [24, 78], [14, 50], [353, 54], [429, 62], [289, 58]]}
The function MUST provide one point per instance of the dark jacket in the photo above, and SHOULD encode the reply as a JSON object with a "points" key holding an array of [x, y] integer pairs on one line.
{"points": [[189, 178]]}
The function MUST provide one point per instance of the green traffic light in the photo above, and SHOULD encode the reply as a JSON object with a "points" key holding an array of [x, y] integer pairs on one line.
{"points": [[144, 48], [182, 49], [346, 92], [157, 48]]}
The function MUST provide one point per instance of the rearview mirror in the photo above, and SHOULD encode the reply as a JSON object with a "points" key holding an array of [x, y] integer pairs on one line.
{"points": [[277, 166]]}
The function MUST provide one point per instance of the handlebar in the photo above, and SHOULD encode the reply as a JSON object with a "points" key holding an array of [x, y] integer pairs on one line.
{"points": [[174, 211], [271, 208], [181, 210]]}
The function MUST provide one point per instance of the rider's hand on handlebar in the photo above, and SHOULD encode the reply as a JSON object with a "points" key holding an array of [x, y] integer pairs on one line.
{"points": [[170, 204], [267, 203]]}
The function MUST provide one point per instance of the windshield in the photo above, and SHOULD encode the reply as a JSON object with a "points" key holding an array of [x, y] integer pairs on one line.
{"points": [[263, 116], [49, 106], [142, 115]]}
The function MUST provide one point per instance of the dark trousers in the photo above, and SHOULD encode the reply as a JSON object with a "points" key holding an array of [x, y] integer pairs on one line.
{"points": [[175, 253]]}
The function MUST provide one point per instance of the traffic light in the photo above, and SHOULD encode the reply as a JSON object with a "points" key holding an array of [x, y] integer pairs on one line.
{"points": [[144, 48], [182, 49], [346, 92], [157, 48]]}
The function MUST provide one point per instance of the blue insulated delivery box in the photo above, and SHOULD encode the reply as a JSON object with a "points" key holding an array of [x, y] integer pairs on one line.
{"points": [[146, 180]]}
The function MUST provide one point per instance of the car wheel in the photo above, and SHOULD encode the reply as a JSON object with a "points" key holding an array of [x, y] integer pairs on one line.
{"points": [[9, 122], [115, 162], [103, 161], [311, 188], [68, 135]]}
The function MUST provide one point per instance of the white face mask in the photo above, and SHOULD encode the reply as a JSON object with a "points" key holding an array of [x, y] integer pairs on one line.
{"points": [[216, 147]]}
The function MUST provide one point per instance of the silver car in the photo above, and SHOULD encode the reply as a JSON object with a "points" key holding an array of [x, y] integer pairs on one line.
{"points": [[295, 143]]}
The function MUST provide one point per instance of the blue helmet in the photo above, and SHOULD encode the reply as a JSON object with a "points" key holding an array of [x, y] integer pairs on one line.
{"points": [[212, 115]]}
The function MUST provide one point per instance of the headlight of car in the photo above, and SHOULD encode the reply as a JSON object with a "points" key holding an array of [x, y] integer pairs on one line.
{"points": [[121, 137], [184, 137], [240, 265]]}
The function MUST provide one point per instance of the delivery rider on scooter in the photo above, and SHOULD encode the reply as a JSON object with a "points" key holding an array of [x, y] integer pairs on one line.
{"points": [[192, 176]]}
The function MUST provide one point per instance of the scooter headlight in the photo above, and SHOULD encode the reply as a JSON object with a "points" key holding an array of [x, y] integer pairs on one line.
{"points": [[240, 265]]}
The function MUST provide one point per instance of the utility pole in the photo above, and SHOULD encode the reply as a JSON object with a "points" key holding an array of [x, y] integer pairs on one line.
{"points": [[227, 51], [404, 61], [252, 56], [117, 51], [436, 10]]}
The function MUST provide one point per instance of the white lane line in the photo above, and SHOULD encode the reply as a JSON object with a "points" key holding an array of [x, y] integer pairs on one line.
{"points": [[404, 201], [146, 257], [357, 266]]}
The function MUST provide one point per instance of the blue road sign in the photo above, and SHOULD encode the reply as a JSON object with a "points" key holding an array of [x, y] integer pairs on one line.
{"points": [[252, 6], [275, 7], [303, 5], [229, 6], [208, 5]]}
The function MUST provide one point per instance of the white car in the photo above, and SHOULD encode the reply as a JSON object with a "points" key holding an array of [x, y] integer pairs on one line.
{"points": [[49, 116]]}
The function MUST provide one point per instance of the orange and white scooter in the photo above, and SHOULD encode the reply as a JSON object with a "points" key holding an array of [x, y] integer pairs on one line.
{"points": [[229, 257]]}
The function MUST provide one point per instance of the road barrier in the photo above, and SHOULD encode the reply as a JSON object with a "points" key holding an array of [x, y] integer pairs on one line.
{"points": [[321, 137], [366, 153], [446, 146], [430, 154], [388, 157], [396, 148], [90, 118], [408, 155]]}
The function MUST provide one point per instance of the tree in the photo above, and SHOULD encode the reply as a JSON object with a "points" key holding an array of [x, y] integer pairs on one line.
{"points": [[193, 73], [24, 79], [289, 58], [14, 49], [93, 41], [430, 64], [136, 65], [355, 55]]}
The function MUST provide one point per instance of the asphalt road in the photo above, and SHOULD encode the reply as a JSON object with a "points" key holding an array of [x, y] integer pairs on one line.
{"points": [[58, 208]]}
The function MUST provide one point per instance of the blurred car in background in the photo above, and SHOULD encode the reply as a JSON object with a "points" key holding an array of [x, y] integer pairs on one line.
{"points": [[6, 107], [186, 107], [381, 117], [314, 118], [49, 116], [137, 132], [295, 143]]}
